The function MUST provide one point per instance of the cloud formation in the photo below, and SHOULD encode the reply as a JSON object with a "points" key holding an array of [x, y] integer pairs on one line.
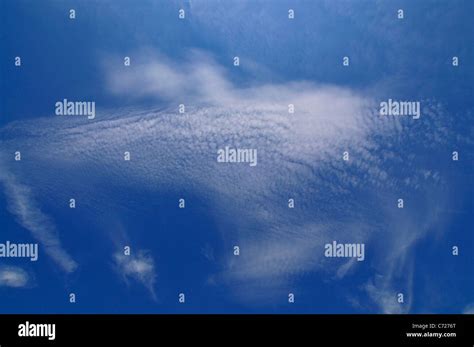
{"points": [[22, 205], [140, 267], [13, 276], [299, 153]]}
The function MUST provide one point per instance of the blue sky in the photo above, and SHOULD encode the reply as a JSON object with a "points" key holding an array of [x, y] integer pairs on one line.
{"points": [[190, 250]]}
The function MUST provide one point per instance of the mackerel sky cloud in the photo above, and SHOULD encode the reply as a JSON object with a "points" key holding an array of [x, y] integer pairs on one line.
{"points": [[332, 168]]}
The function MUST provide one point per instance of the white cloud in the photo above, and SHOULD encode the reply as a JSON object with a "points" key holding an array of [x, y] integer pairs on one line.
{"points": [[139, 266], [13, 276], [22, 205], [298, 153], [386, 299], [158, 77]]}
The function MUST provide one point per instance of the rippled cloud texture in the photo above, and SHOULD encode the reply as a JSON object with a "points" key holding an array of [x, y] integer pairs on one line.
{"points": [[300, 153]]}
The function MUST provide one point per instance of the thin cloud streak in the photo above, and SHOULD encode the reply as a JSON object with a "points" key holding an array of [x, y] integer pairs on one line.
{"points": [[22, 205]]}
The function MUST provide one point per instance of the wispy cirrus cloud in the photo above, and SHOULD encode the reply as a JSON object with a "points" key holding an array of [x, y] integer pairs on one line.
{"points": [[22, 204]]}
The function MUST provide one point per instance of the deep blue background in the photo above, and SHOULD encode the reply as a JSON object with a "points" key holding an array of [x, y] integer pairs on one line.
{"points": [[64, 59]]}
